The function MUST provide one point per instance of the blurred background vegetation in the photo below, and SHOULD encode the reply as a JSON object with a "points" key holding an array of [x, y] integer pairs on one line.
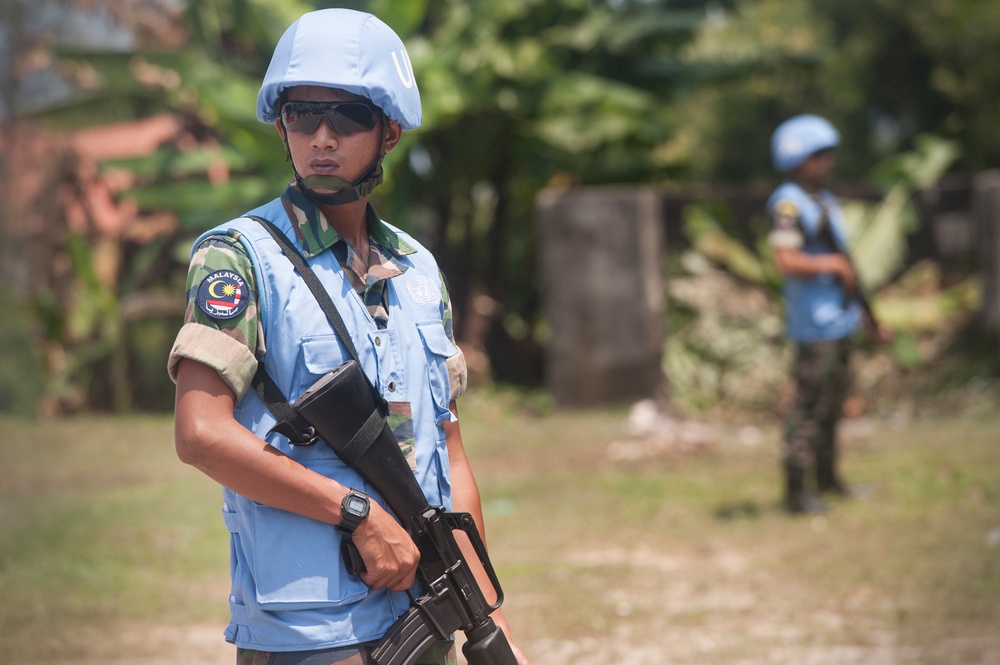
{"points": [[518, 95]]}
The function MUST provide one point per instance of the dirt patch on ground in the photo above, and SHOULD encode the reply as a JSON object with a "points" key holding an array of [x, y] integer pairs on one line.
{"points": [[721, 607]]}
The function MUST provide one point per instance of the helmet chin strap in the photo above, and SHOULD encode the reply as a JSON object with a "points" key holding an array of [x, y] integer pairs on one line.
{"points": [[341, 191]]}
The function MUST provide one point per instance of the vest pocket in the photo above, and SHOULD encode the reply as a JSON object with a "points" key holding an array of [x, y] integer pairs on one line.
{"points": [[296, 563], [320, 354], [438, 349]]}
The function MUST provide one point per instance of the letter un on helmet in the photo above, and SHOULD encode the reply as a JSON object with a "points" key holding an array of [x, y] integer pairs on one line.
{"points": [[345, 49]]}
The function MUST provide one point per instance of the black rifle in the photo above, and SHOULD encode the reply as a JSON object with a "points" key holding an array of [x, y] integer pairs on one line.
{"points": [[342, 408], [826, 235]]}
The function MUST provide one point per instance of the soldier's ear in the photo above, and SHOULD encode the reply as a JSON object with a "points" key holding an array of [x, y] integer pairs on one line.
{"points": [[393, 132]]}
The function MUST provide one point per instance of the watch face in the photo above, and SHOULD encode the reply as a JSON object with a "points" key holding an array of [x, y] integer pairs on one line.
{"points": [[356, 505]]}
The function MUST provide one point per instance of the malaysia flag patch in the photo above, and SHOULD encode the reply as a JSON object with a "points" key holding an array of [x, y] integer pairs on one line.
{"points": [[223, 294]]}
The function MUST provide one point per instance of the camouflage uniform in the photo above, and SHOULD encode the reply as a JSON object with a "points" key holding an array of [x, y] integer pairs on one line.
{"points": [[821, 371]]}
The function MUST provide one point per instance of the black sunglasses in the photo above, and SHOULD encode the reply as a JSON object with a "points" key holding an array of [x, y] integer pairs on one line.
{"points": [[343, 117]]}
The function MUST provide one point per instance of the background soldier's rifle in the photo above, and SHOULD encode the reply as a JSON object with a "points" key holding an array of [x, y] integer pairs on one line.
{"points": [[826, 235]]}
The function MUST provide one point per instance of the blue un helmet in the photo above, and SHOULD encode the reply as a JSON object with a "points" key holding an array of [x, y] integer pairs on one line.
{"points": [[797, 138], [352, 51]]}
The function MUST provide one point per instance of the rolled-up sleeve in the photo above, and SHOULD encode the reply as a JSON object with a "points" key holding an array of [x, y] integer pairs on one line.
{"points": [[228, 344], [458, 371], [232, 359], [458, 374]]}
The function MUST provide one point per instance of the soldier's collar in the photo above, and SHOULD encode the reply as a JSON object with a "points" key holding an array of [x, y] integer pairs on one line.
{"points": [[315, 233]]}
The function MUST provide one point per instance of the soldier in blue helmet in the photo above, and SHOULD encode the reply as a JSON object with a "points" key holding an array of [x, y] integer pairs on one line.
{"points": [[822, 310], [340, 91]]}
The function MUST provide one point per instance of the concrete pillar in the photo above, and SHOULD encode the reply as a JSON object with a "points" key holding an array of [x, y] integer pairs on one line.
{"points": [[986, 214], [602, 251]]}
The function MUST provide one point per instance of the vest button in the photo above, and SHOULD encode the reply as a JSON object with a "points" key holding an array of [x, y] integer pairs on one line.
{"points": [[378, 341], [392, 386]]}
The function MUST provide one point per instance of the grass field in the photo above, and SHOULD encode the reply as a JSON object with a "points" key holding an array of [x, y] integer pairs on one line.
{"points": [[113, 552]]}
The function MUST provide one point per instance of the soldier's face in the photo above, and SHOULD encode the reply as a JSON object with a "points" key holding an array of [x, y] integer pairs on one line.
{"points": [[325, 151], [817, 167]]}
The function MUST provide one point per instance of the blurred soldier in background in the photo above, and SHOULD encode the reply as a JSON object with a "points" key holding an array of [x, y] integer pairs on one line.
{"points": [[823, 306]]}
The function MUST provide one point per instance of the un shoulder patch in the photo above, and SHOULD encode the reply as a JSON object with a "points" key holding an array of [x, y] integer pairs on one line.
{"points": [[223, 294]]}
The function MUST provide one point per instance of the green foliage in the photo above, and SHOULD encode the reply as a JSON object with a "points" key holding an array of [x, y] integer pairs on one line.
{"points": [[21, 377], [210, 86], [213, 84], [94, 326], [884, 72], [878, 233], [521, 94], [714, 239], [514, 94]]}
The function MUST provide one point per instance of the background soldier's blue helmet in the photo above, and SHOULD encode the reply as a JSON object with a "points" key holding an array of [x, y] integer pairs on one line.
{"points": [[797, 138], [346, 49], [352, 51]]}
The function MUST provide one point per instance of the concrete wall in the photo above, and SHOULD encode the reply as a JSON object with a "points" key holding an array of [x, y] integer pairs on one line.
{"points": [[602, 250]]}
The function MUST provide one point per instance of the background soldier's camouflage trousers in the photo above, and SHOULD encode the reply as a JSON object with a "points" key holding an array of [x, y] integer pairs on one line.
{"points": [[822, 380]]}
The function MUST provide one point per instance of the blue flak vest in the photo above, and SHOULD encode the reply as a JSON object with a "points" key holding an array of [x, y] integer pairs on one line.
{"points": [[290, 588], [815, 307]]}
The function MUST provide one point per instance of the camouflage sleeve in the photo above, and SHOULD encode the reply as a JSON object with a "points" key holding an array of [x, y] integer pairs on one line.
{"points": [[458, 373], [786, 226], [222, 328]]}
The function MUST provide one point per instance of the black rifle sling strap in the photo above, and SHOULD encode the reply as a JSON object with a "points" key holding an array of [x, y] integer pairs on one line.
{"points": [[826, 234], [312, 281], [290, 423]]}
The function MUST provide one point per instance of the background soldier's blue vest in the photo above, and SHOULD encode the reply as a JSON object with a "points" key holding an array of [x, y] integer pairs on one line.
{"points": [[291, 590], [815, 308]]}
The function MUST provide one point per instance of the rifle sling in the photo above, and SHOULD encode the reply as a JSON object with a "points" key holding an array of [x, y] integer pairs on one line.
{"points": [[290, 424]]}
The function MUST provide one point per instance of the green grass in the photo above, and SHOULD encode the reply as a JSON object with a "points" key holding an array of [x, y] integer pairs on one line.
{"points": [[101, 525], [675, 558]]}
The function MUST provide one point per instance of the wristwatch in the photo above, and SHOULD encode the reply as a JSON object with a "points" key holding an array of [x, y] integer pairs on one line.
{"points": [[353, 509]]}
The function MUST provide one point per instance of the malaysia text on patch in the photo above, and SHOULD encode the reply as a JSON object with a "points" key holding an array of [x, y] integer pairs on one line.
{"points": [[223, 294]]}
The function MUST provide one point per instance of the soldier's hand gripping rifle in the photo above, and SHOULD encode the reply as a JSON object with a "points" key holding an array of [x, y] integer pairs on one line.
{"points": [[341, 407]]}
